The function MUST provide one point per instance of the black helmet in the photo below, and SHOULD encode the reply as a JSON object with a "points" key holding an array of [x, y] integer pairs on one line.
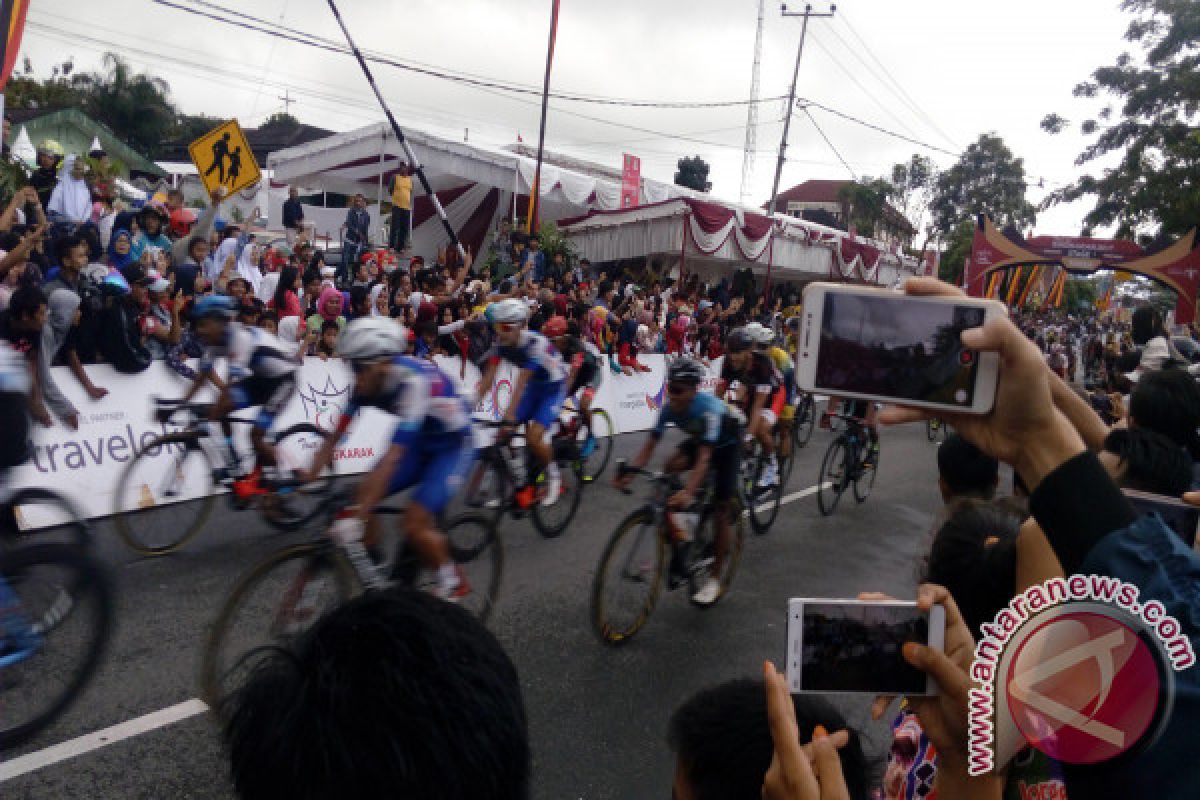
{"points": [[738, 341], [686, 370]]}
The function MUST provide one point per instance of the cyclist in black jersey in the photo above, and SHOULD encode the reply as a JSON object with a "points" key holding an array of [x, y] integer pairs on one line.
{"points": [[761, 397], [584, 373]]}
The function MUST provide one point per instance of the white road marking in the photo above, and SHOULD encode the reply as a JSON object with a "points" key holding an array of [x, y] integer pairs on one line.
{"points": [[81, 745], [102, 738], [789, 498]]}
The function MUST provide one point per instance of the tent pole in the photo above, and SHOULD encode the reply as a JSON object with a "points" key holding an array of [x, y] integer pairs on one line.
{"points": [[683, 234], [379, 187], [413, 162], [516, 191]]}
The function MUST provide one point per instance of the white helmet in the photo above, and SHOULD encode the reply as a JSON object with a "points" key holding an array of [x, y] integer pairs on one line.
{"points": [[369, 338], [760, 334], [510, 310]]}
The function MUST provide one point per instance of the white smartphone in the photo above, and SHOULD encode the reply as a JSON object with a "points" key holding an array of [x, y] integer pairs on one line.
{"points": [[878, 344], [837, 646]]}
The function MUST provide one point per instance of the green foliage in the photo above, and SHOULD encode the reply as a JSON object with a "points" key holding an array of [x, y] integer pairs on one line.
{"points": [[912, 189], [693, 173], [1079, 295], [281, 120], [867, 203], [553, 241], [12, 178], [987, 179], [1148, 157], [957, 251]]}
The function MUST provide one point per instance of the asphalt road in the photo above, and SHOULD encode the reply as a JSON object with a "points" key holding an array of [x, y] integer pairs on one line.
{"points": [[598, 715]]}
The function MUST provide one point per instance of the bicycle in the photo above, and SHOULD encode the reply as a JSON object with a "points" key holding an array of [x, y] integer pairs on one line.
{"points": [[935, 428], [763, 503], [602, 430], [289, 590], [149, 513], [645, 532], [493, 482], [805, 418], [847, 461], [56, 611]]}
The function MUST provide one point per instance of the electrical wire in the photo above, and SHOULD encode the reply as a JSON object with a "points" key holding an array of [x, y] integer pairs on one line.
{"points": [[814, 104], [836, 152]]}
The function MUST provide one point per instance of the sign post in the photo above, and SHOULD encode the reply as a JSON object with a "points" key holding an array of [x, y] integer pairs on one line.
{"points": [[224, 159]]}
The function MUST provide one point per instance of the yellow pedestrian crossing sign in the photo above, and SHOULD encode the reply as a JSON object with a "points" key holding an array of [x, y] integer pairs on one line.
{"points": [[224, 159]]}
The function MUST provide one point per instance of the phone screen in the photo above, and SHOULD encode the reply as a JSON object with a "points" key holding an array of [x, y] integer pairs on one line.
{"points": [[855, 647], [899, 347]]}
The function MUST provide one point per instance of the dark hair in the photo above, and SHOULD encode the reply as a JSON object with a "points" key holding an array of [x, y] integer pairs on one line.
{"points": [[195, 240], [309, 276], [266, 316], [1145, 324], [26, 301], [68, 243], [1152, 462], [394, 690], [722, 739], [980, 576], [1168, 402], [287, 277], [330, 325], [359, 295], [965, 469]]}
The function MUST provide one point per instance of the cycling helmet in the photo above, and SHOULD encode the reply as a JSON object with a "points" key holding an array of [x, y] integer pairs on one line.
{"points": [[793, 323], [686, 370], [510, 310], [555, 327], [760, 334], [214, 305], [50, 147], [369, 338], [738, 341]]}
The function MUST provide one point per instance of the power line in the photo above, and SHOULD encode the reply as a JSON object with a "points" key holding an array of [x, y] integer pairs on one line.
{"points": [[806, 102], [268, 28], [831, 146]]}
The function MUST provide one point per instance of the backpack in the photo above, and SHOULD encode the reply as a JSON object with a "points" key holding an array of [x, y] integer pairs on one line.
{"points": [[120, 339]]}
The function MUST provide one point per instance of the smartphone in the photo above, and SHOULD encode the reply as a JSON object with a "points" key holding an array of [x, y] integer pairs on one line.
{"points": [[853, 646], [1179, 516], [877, 344]]}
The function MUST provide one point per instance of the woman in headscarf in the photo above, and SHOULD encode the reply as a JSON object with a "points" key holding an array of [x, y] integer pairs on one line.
{"points": [[329, 309], [119, 247], [379, 300], [292, 335], [226, 249], [71, 199], [247, 267]]}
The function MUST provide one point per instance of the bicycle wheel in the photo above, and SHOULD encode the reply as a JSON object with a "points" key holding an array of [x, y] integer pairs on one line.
{"points": [[553, 519], [702, 562], [603, 432], [763, 504], [271, 605], [864, 478], [487, 486], [155, 512], [291, 507], [482, 569], [44, 515], [56, 611], [629, 578], [806, 417], [835, 474]]}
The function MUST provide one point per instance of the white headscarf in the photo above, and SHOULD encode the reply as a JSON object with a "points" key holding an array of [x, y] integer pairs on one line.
{"points": [[248, 269], [288, 332], [224, 250], [71, 197], [376, 290]]}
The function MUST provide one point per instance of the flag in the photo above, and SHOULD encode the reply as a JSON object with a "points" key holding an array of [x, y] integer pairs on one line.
{"points": [[1062, 288], [1011, 299], [993, 285], [12, 18], [519, 139], [1029, 284]]}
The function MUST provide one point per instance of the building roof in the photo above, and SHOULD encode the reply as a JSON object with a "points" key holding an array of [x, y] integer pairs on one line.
{"points": [[113, 145], [263, 141], [828, 191]]}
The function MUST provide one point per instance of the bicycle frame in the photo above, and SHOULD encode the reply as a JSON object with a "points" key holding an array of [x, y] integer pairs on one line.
{"points": [[16, 627]]}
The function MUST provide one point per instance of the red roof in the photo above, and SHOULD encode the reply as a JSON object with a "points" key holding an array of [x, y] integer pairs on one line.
{"points": [[818, 191]]}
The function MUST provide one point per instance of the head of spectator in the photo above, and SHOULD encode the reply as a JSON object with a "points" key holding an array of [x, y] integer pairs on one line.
{"points": [[174, 199], [72, 253], [329, 304], [158, 288], [248, 312], [1139, 458], [27, 310], [1146, 324], [379, 300], [269, 322], [237, 288], [1168, 401], [974, 555], [49, 152], [139, 281], [393, 693], [119, 245], [965, 471], [152, 218], [360, 302], [723, 747], [360, 201]]}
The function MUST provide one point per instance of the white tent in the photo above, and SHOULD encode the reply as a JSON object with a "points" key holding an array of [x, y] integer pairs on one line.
{"points": [[23, 148], [476, 184]]}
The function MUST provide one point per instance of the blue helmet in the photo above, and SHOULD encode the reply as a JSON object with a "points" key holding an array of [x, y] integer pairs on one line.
{"points": [[214, 305]]}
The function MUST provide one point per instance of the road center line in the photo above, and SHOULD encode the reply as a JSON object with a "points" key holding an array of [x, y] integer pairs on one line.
{"points": [[31, 762], [81, 745]]}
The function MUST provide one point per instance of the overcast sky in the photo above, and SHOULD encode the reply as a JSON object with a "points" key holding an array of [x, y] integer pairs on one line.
{"points": [[967, 66]]}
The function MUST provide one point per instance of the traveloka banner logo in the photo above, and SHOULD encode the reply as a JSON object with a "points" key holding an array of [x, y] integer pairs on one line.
{"points": [[1076, 667], [654, 401]]}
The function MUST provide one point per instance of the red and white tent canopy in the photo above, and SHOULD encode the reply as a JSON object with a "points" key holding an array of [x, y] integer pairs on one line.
{"points": [[476, 184]]}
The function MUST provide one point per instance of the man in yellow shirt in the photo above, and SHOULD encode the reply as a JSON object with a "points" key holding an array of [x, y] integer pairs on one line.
{"points": [[401, 189]]}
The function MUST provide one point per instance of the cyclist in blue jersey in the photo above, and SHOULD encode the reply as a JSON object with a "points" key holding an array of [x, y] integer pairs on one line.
{"points": [[538, 394], [712, 447], [432, 447]]}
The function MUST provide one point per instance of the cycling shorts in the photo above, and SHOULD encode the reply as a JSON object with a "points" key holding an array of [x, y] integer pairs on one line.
{"points": [[541, 403], [270, 393], [438, 464], [774, 405], [722, 467]]}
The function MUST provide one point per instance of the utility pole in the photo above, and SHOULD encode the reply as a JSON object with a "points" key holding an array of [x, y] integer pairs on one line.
{"points": [[287, 101], [808, 13]]}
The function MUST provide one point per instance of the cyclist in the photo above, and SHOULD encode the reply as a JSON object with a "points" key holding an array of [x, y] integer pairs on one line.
{"points": [[585, 372], [761, 396], [712, 448], [764, 342], [432, 447], [261, 373], [15, 384], [538, 394]]}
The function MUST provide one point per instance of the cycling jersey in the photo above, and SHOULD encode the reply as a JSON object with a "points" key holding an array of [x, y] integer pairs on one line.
{"points": [[787, 371], [585, 360], [760, 376], [260, 371], [535, 353], [707, 420]]}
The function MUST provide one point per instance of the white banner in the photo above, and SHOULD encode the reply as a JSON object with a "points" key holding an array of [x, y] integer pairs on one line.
{"points": [[87, 464]]}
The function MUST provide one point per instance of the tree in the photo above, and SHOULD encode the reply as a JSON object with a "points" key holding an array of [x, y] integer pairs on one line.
{"points": [[136, 105], [912, 190], [1153, 188], [1079, 295], [866, 204], [693, 173], [281, 120], [987, 179], [958, 249]]}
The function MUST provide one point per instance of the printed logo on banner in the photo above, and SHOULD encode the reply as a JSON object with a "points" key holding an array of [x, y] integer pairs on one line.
{"points": [[654, 401], [324, 407], [495, 402]]}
